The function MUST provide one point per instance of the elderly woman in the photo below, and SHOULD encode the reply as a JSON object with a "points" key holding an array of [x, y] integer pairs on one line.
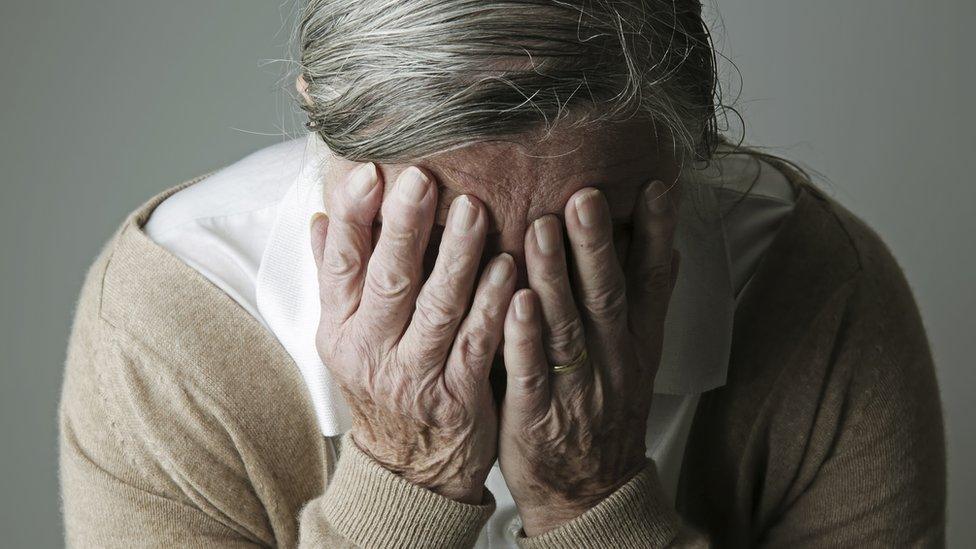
{"points": [[512, 288]]}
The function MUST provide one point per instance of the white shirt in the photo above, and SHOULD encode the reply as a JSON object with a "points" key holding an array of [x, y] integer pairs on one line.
{"points": [[246, 229]]}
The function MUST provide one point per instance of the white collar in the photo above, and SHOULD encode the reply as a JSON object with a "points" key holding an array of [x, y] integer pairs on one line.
{"points": [[698, 330]]}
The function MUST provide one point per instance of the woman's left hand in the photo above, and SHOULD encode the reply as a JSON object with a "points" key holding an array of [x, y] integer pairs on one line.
{"points": [[568, 440]]}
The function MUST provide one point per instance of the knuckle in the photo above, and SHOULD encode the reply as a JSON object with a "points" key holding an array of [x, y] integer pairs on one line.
{"points": [[452, 417], [528, 383], [566, 334], [474, 346], [654, 279], [606, 302], [550, 430], [341, 264], [387, 284], [399, 243], [436, 314]]}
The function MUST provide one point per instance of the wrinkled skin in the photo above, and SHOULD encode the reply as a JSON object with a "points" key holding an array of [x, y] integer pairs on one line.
{"points": [[411, 328], [568, 440], [412, 361]]}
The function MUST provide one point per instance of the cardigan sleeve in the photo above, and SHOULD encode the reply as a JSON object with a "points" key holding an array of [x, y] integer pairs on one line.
{"points": [[882, 478], [153, 455], [638, 515], [366, 505], [145, 459]]}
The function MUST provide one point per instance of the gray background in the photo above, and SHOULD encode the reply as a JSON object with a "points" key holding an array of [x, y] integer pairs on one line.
{"points": [[106, 102]]}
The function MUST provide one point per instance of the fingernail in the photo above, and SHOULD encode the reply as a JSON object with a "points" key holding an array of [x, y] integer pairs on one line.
{"points": [[523, 306], [501, 270], [463, 214], [588, 208], [362, 181], [656, 198], [546, 234], [317, 217], [412, 185]]}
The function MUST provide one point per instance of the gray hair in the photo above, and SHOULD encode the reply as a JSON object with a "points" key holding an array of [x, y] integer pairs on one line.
{"points": [[397, 80]]}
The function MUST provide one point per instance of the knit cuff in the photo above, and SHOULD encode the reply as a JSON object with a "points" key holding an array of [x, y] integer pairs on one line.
{"points": [[638, 515], [373, 507]]}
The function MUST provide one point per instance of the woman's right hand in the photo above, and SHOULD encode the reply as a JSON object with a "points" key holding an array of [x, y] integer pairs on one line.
{"points": [[410, 356]]}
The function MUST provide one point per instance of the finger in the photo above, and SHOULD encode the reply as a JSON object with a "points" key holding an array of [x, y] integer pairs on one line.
{"points": [[445, 296], [600, 284], [649, 262], [545, 261], [599, 281], [480, 333], [393, 276], [527, 392], [347, 243]]}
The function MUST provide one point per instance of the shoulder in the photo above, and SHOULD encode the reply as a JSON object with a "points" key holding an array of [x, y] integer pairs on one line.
{"points": [[257, 181], [829, 274], [176, 408], [220, 226], [831, 386], [828, 324], [162, 363], [853, 258], [139, 297], [881, 347]]}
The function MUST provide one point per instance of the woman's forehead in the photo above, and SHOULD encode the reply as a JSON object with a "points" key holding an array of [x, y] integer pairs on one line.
{"points": [[526, 198], [519, 182]]}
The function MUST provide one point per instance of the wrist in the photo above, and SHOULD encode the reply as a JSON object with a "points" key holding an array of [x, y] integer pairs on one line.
{"points": [[641, 504], [461, 494], [536, 522], [441, 477]]}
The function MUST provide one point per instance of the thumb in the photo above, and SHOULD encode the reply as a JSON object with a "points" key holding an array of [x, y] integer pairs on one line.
{"points": [[320, 229]]}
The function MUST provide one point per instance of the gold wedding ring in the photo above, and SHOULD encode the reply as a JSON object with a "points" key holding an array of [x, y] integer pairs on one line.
{"points": [[572, 365]]}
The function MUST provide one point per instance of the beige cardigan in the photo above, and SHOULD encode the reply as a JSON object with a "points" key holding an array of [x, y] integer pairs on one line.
{"points": [[184, 422]]}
